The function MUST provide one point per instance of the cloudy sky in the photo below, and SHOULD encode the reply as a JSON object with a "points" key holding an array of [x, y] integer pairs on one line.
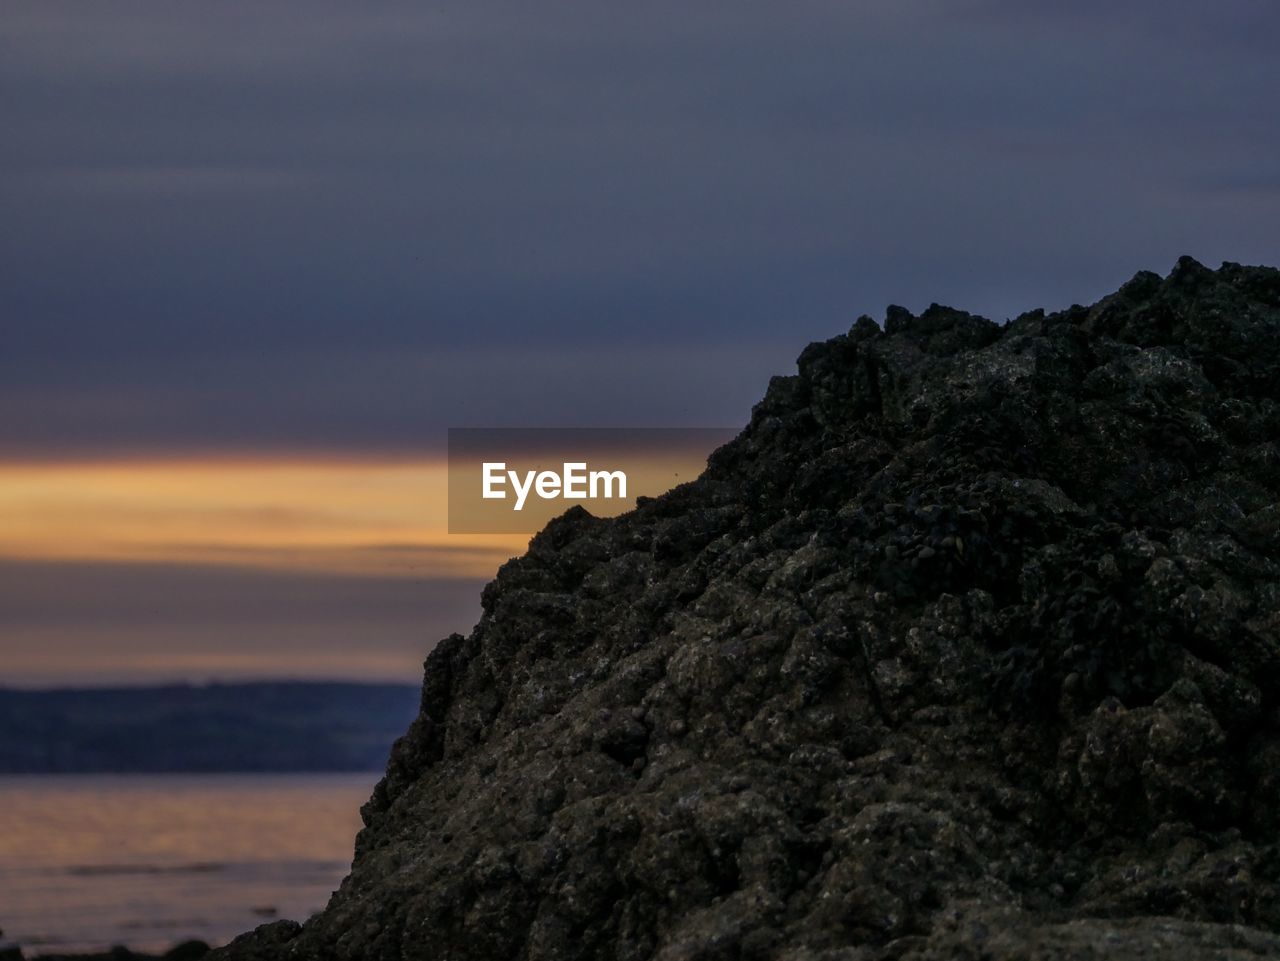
{"points": [[256, 258]]}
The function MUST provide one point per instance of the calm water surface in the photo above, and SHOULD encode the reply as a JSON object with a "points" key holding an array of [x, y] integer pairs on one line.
{"points": [[88, 862]]}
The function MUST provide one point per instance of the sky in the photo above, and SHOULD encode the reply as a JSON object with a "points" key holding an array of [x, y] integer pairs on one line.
{"points": [[255, 259]]}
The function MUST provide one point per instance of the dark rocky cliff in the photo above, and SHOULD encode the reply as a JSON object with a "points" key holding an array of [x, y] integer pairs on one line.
{"points": [[967, 647]]}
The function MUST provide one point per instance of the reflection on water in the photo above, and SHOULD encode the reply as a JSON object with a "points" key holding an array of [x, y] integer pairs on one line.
{"points": [[87, 862]]}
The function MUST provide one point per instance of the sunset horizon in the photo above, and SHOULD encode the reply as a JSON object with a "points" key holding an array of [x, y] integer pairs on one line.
{"points": [[639, 482]]}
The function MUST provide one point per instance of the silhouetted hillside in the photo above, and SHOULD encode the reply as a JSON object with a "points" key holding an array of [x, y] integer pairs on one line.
{"points": [[290, 726]]}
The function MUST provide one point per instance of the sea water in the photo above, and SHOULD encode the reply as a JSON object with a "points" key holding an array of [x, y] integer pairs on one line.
{"points": [[87, 862]]}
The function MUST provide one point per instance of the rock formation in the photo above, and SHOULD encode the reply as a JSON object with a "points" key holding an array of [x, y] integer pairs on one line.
{"points": [[967, 647]]}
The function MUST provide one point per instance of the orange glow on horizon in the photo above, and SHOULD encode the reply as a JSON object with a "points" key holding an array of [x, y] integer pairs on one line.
{"points": [[375, 517]]}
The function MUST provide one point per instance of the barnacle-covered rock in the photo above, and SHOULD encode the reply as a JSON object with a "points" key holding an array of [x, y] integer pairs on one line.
{"points": [[967, 647]]}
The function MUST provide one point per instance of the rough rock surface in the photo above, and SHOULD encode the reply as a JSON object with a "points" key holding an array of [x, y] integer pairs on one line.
{"points": [[967, 647]]}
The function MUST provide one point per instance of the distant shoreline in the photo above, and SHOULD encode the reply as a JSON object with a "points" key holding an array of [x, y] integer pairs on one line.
{"points": [[183, 951], [267, 727]]}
